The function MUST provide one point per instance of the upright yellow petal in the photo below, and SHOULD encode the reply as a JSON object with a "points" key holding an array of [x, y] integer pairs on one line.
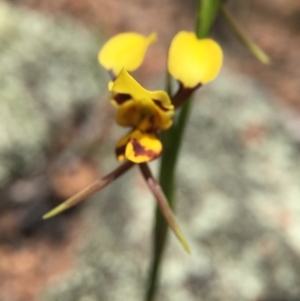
{"points": [[125, 50], [194, 61]]}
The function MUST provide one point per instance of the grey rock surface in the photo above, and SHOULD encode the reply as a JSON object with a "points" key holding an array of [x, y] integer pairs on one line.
{"points": [[48, 68], [237, 203]]}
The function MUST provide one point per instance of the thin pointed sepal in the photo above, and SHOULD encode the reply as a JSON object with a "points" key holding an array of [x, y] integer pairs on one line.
{"points": [[90, 190], [167, 212], [164, 205], [75, 199]]}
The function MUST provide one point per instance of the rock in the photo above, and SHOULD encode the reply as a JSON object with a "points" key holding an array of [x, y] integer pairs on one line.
{"points": [[237, 202], [48, 70]]}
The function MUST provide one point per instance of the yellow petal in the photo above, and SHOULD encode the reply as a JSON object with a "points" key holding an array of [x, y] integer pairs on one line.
{"points": [[125, 50], [138, 147], [193, 61]]}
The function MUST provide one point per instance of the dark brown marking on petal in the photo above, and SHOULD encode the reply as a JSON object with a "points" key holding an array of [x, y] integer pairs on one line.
{"points": [[160, 105], [139, 150], [120, 151], [121, 98]]}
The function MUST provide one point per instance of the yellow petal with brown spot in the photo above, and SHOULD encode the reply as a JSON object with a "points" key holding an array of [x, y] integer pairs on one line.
{"points": [[143, 147], [139, 147]]}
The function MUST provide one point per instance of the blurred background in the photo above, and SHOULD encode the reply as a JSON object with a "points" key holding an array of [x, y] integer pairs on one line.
{"points": [[238, 177]]}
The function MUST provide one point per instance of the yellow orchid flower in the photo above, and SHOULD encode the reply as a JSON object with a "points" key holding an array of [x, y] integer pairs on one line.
{"points": [[194, 61], [146, 111], [125, 50]]}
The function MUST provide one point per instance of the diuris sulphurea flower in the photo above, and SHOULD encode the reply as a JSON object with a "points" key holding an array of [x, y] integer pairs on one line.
{"points": [[192, 62]]}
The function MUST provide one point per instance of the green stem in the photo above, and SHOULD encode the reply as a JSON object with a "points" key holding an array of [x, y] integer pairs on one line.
{"points": [[208, 10], [207, 13]]}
